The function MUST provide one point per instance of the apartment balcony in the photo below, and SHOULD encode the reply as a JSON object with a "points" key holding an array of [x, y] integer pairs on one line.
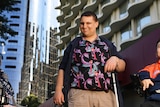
{"points": [[148, 28], [73, 29], [60, 17], [66, 8], [69, 17], [79, 6], [59, 45], [116, 25], [108, 8], [63, 27], [65, 38], [93, 6]]}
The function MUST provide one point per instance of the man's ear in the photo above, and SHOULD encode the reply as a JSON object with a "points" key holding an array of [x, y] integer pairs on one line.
{"points": [[97, 24]]}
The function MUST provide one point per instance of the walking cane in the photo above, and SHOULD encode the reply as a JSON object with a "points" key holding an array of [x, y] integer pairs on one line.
{"points": [[115, 87]]}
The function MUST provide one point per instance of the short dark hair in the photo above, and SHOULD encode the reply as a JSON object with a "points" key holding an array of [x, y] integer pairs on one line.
{"points": [[90, 13]]}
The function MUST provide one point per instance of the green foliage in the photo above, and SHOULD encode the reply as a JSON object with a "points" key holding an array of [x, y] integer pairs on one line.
{"points": [[31, 101], [8, 6]]}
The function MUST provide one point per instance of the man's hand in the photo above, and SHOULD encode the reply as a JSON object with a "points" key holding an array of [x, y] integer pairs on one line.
{"points": [[114, 63], [111, 64], [146, 83], [58, 98]]}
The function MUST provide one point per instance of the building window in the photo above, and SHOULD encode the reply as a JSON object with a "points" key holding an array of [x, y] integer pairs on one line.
{"points": [[33, 28], [106, 25], [77, 2], [15, 17], [17, 8], [62, 51], [66, 2], [135, 0], [17, 1], [14, 24], [143, 20], [123, 9], [10, 66], [126, 33], [97, 12], [105, 1], [12, 41], [11, 58], [11, 49]]}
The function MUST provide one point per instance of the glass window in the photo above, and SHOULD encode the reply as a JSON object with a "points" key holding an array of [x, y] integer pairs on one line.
{"points": [[12, 41], [126, 33], [62, 51], [97, 12], [11, 58], [16, 17], [17, 1], [14, 24], [105, 1], [10, 66], [11, 49], [106, 25], [143, 20], [76, 2], [123, 9], [135, 0]]}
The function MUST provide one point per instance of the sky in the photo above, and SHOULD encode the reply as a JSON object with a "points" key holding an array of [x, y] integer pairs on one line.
{"points": [[56, 13]]}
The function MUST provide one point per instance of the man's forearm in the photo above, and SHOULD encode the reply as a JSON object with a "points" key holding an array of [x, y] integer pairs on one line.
{"points": [[120, 65], [59, 83]]}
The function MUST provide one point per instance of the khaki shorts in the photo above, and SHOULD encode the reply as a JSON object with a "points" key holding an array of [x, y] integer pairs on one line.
{"points": [[87, 98]]}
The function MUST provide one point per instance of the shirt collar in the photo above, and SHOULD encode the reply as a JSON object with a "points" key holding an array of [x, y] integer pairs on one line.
{"points": [[95, 41]]}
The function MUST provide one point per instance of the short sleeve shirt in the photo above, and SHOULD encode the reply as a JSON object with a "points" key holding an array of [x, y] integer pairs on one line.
{"points": [[87, 69]]}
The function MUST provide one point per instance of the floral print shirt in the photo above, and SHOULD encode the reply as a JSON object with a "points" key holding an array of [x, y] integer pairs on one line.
{"points": [[87, 70]]}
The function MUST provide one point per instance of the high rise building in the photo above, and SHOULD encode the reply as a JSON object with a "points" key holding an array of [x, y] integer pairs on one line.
{"points": [[40, 52], [132, 25], [14, 46], [30, 55]]}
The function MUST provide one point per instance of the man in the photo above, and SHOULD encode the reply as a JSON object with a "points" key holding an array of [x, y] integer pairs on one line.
{"points": [[150, 78], [84, 73]]}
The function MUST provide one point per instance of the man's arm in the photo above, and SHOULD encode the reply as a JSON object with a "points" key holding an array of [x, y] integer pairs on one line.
{"points": [[59, 84], [120, 67], [58, 97]]}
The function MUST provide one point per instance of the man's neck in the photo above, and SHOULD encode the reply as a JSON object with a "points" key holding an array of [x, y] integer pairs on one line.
{"points": [[90, 38]]}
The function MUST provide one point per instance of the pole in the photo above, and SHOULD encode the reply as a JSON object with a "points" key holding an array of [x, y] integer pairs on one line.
{"points": [[115, 88]]}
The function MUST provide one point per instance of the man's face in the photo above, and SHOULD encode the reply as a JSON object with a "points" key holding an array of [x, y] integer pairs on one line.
{"points": [[158, 49], [88, 26]]}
